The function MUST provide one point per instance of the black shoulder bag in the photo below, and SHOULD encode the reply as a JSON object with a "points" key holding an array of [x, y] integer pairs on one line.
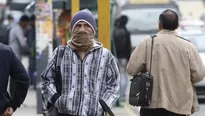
{"points": [[142, 85]]}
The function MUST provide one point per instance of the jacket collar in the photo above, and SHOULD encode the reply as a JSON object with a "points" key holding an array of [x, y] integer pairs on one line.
{"points": [[164, 31]]}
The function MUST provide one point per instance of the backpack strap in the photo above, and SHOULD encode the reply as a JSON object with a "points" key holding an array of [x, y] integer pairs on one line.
{"points": [[60, 53], [58, 78]]}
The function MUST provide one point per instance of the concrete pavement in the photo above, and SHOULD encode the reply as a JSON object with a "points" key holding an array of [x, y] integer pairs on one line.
{"points": [[29, 107]]}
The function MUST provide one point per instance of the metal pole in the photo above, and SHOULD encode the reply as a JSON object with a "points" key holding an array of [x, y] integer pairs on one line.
{"points": [[75, 6], [104, 22]]}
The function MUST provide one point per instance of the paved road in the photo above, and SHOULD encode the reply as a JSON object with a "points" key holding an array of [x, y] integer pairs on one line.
{"points": [[29, 107]]}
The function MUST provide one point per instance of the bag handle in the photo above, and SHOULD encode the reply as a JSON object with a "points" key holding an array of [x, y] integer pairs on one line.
{"points": [[106, 108], [58, 78]]}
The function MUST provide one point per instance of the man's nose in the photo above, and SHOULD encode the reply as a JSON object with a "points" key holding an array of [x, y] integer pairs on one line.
{"points": [[82, 28]]}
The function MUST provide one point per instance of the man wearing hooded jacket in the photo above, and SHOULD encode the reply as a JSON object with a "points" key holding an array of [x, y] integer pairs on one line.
{"points": [[89, 72]]}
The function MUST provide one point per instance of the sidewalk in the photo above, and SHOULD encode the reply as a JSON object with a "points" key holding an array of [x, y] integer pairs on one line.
{"points": [[29, 108]]}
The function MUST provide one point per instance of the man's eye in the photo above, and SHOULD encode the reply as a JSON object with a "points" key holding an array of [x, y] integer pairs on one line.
{"points": [[86, 25], [78, 26]]}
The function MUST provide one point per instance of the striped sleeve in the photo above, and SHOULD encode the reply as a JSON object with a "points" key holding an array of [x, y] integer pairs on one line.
{"points": [[48, 88], [112, 83]]}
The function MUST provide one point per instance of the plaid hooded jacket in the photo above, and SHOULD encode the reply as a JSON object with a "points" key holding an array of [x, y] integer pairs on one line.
{"points": [[84, 83]]}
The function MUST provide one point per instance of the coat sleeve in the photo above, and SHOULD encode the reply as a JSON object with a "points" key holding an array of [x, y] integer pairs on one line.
{"points": [[196, 66], [48, 88], [137, 59], [20, 75], [112, 83]]}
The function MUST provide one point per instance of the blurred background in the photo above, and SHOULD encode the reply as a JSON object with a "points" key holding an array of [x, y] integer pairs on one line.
{"points": [[49, 27]]}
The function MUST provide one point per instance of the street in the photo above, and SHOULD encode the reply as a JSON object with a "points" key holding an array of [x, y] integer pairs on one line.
{"points": [[29, 107]]}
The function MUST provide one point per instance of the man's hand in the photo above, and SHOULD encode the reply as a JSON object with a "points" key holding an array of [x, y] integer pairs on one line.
{"points": [[8, 112]]}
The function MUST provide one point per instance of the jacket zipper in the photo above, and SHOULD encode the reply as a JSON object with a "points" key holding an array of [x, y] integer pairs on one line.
{"points": [[81, 86], [78, 114]]}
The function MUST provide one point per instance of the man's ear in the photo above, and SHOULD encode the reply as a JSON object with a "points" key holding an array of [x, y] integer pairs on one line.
{"points": [[159, 25], [177, 26]]}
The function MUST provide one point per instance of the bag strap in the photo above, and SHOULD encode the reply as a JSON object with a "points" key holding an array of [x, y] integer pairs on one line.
{"points": [[106, 108], [60, 53], [58, 78], [152, 52]]}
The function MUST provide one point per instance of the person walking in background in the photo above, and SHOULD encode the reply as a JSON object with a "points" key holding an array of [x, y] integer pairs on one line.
{"points": [[176, 67], [31, 41], [5, 30], [17, 40], [122, 43], [88, 71], [11, 66]]}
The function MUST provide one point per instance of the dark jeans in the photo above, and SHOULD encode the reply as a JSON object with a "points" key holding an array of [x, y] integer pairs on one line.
{"points": [[157, 112], [31, 70]]}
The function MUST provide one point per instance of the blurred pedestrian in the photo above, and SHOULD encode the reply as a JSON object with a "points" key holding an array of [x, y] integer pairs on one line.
{"points": [[176, 67], [122, 43], [31, 40], [5, 30], [17, 40]]}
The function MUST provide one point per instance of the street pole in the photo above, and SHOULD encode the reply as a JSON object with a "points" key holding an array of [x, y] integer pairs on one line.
{"points": [[75, 6], [104, 22]]}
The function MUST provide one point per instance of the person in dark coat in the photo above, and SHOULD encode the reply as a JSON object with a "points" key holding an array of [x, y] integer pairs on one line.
{"points": [[11, 66], [122, 43]]}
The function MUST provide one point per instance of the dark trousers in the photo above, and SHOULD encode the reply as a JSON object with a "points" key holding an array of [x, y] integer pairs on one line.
{"points": [[157, 112]]}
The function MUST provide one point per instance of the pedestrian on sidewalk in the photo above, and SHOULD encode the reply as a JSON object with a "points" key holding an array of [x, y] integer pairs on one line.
{"points": [[11, 66], [122, 41], [89, 72], [176, 67]]}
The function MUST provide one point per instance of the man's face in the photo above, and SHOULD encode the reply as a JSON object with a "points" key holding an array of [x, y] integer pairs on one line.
{"points": [[24, 24], [10, 20], [83, 29]]}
